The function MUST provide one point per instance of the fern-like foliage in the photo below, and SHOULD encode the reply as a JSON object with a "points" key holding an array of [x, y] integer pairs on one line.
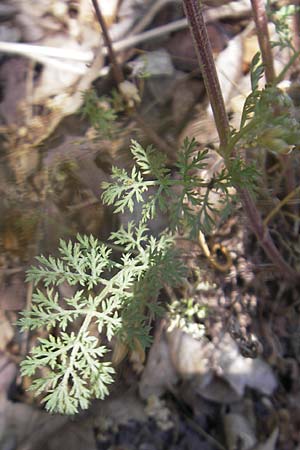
{"points": [[282, 18], [185, 196], [100, 112], [111, 299], [268, 121], [116, 296]]}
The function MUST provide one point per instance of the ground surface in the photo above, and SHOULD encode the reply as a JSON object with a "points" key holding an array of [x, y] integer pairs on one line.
{"points": [[230, 378]]}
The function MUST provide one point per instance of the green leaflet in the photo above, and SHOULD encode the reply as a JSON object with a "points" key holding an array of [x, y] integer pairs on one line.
{"points": [[77, 363]]}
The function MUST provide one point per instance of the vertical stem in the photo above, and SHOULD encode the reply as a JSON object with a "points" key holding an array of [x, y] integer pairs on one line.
{"points": [[296, 26], [208, 68], [261, 22], [205, 56], [119, 78], [118, 74]]}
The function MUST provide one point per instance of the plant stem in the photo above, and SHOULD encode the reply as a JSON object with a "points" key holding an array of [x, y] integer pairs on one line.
{"points": [[286, 68], [119, 78], [261, 22], [296, 26], [205, 57], [118, 74], [208, 69]]}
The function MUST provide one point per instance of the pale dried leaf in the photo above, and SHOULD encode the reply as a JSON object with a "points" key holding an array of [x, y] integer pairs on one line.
{"points": [[159, 373], [109, 10], [214, 389], [129, 13], [52, 80], [229, 67], [241, 372], [193, 357], [189, 356]]}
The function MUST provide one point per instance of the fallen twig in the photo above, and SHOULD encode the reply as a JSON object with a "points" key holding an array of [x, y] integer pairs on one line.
{"points": [[119, 79], [37, 52]]}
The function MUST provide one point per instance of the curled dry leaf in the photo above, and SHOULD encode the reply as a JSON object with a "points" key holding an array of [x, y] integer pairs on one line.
{"points": [[202, 358], [241, 372]]}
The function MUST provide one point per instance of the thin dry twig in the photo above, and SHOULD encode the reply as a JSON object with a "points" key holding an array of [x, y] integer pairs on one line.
{"points": [[119, 78], [46, 51], [49, 55], [117, 71], [280, 205]]}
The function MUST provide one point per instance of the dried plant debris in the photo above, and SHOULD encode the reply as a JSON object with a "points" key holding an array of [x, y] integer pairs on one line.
{"points": [[222, 371]]}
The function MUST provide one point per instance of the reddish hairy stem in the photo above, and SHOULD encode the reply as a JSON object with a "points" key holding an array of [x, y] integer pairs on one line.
{"points": [[296, 33], [208, 69], [261, 22], [296, 26]]}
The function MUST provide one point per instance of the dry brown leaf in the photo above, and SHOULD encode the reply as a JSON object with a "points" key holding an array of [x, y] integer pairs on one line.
{"points": [[109, 10], [250, 48], [159, 373]]}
